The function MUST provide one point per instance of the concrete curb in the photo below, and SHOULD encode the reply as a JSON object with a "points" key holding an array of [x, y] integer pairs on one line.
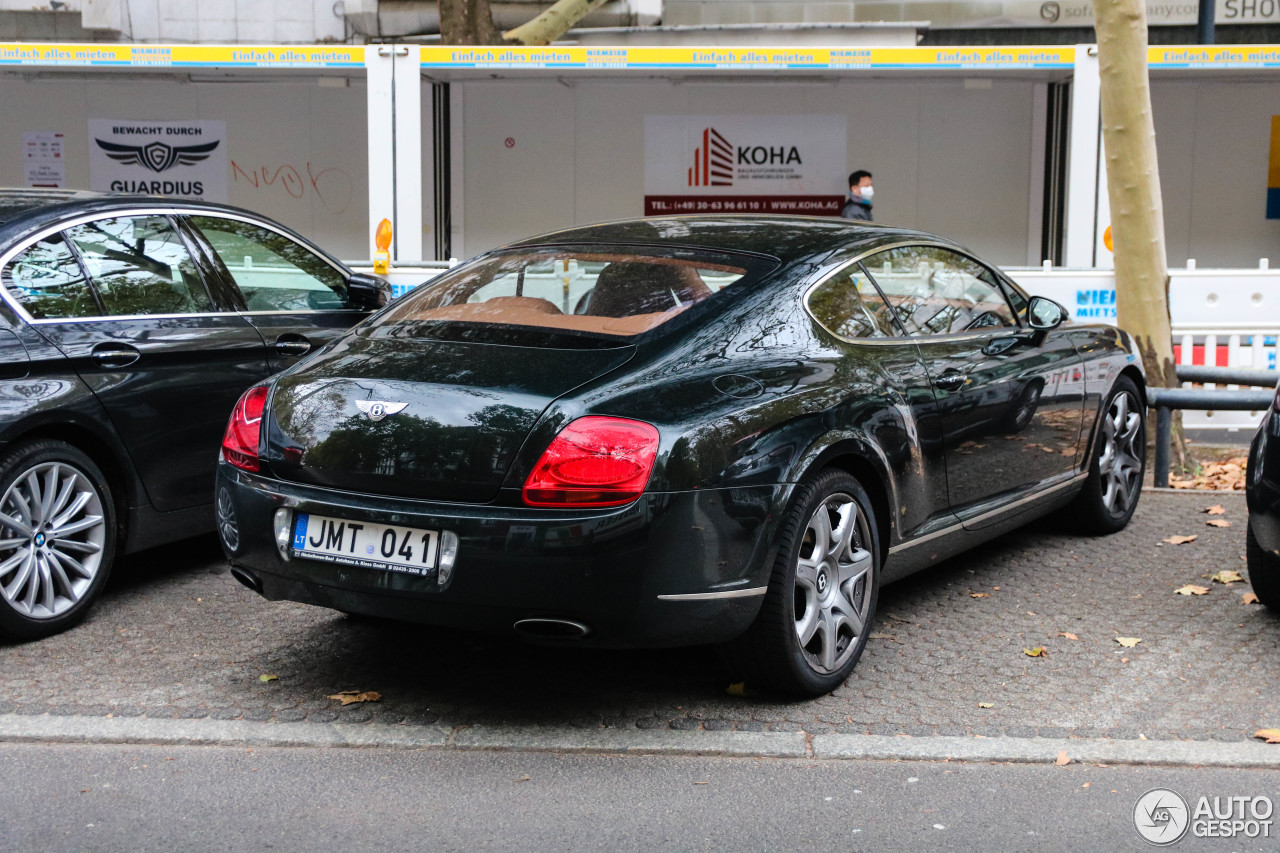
{"points": [[16, 728], [1168, 753]]}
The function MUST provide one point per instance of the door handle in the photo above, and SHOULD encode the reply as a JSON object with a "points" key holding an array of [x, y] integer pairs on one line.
{"points": [[950, 380], [115, 355], [292, 345]]}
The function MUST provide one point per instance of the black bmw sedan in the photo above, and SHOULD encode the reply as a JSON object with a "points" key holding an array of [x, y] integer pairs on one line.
{"points": [[1262, 491], [679, 431], [129, 326]]}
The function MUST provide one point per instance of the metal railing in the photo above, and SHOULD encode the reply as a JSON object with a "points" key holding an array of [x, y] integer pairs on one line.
{"points": [[1165, 400]]}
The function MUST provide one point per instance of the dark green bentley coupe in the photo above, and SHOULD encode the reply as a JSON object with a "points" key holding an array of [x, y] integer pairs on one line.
{"points": [[679, 431]]}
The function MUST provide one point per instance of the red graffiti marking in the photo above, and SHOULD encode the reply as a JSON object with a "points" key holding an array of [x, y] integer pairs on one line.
{"points": [[331, 186]]}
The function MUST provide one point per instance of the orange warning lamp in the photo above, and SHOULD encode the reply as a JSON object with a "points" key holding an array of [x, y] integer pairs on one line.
{"points": [[382, 239], [1106, 240]]}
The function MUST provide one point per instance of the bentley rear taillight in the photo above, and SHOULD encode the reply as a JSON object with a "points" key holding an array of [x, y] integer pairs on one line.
{"points": [[594, 462], [244, 430]]}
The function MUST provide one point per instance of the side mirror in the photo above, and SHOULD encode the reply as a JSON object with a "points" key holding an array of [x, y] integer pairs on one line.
{"points": [[368, 292], [1045, 314]]}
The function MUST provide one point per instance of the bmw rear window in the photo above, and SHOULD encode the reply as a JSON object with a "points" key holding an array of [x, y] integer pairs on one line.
{"points": [[554, 293]]}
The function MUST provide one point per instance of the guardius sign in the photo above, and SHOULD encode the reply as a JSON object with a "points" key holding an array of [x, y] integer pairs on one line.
{"points": [[182, 159]]}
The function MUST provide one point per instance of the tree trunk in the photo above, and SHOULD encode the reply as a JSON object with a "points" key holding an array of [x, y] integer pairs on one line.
{"points": [[1133, 187], [467, 22], [553, 23]]}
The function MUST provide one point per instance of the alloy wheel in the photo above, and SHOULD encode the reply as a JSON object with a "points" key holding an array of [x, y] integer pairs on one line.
{"points": [[1121, 454], [53, 532], [833, 583]]}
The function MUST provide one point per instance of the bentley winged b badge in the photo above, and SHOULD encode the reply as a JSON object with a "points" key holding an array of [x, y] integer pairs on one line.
{"points": [[379, 409]]}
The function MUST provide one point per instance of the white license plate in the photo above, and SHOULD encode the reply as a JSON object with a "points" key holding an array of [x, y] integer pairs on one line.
{"points": [[361, 543]]}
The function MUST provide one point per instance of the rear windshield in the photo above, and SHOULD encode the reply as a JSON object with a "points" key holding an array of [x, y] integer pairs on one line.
{"points": [[597, 292]]}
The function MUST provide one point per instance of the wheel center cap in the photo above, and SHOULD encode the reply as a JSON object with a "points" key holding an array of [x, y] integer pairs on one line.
{"points": [[40, 540], [822, 582]]}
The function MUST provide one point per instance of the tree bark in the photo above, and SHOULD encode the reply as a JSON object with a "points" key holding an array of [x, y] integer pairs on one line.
{"points": [[467, 22], [552, 23], [1133, 188]]}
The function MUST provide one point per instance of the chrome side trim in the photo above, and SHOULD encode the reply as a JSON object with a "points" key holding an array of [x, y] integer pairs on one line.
{"points": [[169, 210], [713, 596], [989, 514]]}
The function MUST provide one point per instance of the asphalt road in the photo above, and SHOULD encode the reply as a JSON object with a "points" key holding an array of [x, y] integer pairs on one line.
{"points": [[71, 797], [175, 637]]}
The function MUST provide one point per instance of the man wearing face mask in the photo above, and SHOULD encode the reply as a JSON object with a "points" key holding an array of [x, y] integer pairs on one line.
{"points": [[860, 194]]}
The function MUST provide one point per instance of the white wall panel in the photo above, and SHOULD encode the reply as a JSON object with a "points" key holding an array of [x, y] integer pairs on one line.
{"points": [[303, 146], [1213, 138], [945, 158]]}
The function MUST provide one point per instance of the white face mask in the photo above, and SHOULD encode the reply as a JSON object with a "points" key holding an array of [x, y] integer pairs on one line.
{"points": [[867, 192]]}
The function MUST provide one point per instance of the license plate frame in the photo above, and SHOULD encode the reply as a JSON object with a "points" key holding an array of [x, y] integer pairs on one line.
{"points": [[364, 544]]}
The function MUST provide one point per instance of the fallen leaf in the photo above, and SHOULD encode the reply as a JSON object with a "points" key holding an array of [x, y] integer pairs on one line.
{"points": [[1249, 598], [1216, 509], [1062, 759], [1227, 576], [986, 704], [1218, 522], [1180, 540], [1269, 735], [1191, 589], [996, 588], [266, 677], [525, 778], [346, 697], [979, 595], [1037, 652], [884, 637], [1128, 642], [1070, 451], [1068, 635], [1031, 613]]}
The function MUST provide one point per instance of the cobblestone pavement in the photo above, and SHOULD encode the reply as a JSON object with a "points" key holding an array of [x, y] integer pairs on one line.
{"points": [[177, 637]]}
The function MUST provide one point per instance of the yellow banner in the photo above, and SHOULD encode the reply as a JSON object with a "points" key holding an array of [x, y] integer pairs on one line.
{"points": [[181, 55], [1244, 56], [659, 58]]}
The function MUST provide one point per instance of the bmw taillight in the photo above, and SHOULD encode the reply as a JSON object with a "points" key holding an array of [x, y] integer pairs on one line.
{"points": [[240, 441], [594, 461]]}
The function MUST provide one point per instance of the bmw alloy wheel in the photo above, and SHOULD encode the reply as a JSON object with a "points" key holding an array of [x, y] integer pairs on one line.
{"points": [[53, 531], [833, 583]]}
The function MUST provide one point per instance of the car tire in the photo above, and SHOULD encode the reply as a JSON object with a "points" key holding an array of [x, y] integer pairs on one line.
{"points": [[1264, 571], [806, 639], [1024, 408], [1117, 463], [52, 571]]}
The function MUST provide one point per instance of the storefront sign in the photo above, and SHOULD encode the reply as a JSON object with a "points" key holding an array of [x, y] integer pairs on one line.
{"points": [[744, 164], [186, 159]]}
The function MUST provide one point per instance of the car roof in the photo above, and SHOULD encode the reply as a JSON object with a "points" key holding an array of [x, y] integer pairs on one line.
{"points": [[23, 211], [787, 238]]}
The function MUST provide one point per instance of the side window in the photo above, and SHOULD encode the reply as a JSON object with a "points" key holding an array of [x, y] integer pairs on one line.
{"points": [[847, 304], [273, 272], [47, 281], [939, 292], [139, 265]]}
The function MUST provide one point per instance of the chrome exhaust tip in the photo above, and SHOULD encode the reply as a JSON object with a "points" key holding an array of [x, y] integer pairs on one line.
{"points": [[552, 629], [247, 578]]}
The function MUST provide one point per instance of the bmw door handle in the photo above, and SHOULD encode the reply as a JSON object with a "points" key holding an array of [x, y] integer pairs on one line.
{"points": [[950, 380], [293, 345], [115, 355]]}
